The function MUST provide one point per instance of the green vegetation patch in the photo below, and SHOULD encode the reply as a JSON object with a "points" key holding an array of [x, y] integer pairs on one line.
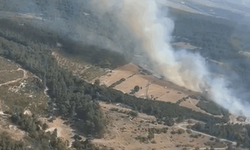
{"points": [[92, 72], [212, 108], [117, 83], [7, 143]]}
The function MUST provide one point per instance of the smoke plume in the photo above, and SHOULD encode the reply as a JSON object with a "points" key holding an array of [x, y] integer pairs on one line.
{"points": [[152, 31], [133, 27]]}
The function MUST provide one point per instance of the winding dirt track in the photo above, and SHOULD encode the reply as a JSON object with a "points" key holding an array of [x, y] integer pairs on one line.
{"points": [[197, 132], [25, 76]]}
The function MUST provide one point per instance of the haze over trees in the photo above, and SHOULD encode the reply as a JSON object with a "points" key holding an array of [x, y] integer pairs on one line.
{"points": [[71, 97]]}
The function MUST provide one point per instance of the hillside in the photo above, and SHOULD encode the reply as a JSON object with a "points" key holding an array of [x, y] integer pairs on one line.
{"points": [[61, 94]]}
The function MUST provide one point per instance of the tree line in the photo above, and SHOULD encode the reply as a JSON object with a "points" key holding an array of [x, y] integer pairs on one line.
{"points": [[71, 97], [234, 132]]}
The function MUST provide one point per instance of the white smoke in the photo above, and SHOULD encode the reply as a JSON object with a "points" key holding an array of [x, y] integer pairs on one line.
{"points": [[139, 27], [144, 20]]}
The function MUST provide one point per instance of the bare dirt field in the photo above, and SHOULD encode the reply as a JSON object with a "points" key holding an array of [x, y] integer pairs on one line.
{"points": [[63, 130], [150, 86]]}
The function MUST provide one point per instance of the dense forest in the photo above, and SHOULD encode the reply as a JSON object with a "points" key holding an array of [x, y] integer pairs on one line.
{"points": [[212, 108], [66, 90]]}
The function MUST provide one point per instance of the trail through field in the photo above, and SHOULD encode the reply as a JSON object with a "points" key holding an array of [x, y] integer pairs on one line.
{"points": [[210, 136], [25, 76]]}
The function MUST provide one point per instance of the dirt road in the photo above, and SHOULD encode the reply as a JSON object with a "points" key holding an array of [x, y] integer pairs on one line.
{"points": [[210, 136], [16, 80]]}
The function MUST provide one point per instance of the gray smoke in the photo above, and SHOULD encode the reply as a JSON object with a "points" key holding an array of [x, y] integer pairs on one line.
{"points": [[153, 31], [133, 27]]}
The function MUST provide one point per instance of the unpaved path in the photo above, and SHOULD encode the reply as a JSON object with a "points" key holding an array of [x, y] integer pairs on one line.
{"points": [[25, 76], [210, 136]]}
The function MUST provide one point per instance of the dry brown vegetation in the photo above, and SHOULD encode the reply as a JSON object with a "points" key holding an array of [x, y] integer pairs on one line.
{"points": [[150, 86], [127, 133]]}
